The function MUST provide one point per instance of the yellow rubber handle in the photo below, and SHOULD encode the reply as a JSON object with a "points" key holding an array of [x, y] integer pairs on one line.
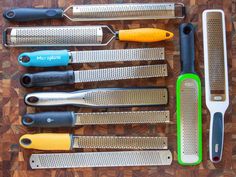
{"points": [[144, 35], [46, 141]]}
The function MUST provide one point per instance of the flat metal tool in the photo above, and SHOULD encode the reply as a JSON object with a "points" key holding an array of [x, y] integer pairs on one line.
{"points": [[51, 58], [53, 78], [52, 36], [63, 141], [101, 159], [216, 77], [71, 119], [100, 12], [188, 96], [102, 97]]}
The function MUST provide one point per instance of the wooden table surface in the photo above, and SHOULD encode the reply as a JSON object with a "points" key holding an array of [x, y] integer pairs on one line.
{"points": [[14, 160]]}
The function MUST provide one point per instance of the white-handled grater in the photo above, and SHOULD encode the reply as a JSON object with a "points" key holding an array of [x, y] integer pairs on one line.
{"points": [[216, 77], [100, 12]]}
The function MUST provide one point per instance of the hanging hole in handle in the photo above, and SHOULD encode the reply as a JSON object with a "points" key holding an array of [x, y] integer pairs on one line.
{"points": [[10, 14], [167, 34], [27, 121], [24, 59], [216, 158], [26, 141], [26, 80], [32, 99], [187, 30]]}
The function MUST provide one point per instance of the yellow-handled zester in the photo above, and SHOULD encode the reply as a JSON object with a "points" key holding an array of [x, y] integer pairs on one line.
{"points": [[61, 141], [78, 36]]}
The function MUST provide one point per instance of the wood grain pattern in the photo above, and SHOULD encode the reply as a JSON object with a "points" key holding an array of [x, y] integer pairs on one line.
{"points": [[14, 160]]}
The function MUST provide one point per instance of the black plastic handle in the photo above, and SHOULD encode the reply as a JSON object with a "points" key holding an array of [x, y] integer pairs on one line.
{"points": [[50, 78], [30, 14], [186, 34], [49, 119]]}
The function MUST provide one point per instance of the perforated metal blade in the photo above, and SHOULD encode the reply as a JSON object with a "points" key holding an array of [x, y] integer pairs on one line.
{"points": [[100, 159], [110, 97], [122, 117], [189, 121], [95, 56], [56, 36], [116, 142], [101, 12], [121, 73]]}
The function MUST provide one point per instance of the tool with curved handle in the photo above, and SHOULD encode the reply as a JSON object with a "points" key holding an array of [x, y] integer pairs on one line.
{"points": [[61, 141]]}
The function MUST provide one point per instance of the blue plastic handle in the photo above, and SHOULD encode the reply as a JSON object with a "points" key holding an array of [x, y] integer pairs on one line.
{"points": [[44, 58]]}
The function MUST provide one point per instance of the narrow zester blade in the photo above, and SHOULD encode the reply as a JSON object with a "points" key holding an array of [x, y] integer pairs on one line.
{"points": [[122, 11], [216, 55], [56, 36], [135, 117], [95, 56], [100, 159], [116, 142], [121, 73], [189, 121]]}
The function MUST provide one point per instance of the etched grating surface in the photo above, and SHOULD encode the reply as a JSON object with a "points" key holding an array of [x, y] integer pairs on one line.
{"points": [[118, 55], [100, 159], [119, 11], [189, 117], [127, 97], [38, 36], [122, 117], [121, 73], [215, 51], [116, 142]]}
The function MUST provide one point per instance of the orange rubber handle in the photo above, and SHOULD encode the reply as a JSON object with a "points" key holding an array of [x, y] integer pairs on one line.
{"points": [[144, 35]]}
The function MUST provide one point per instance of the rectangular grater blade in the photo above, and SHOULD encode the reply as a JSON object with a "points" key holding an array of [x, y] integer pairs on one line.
{"points": [[121, 73], [100, 159], [53, 78], [216, 77], [136, 117], [189, 122], [63, 141], [103, 12], [103, 97], [56, 36], [50, 58], [139, 54], [116, 142], [70, 119]]}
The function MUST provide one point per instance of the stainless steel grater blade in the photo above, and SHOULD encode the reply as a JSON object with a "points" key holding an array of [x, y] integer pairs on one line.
{"points": [[122, 117], [116, 142], [139, 54], [189, 121], [56, 36], [58, 119], [121, 73], [100, 159], [109, 97], [129, 11]]}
